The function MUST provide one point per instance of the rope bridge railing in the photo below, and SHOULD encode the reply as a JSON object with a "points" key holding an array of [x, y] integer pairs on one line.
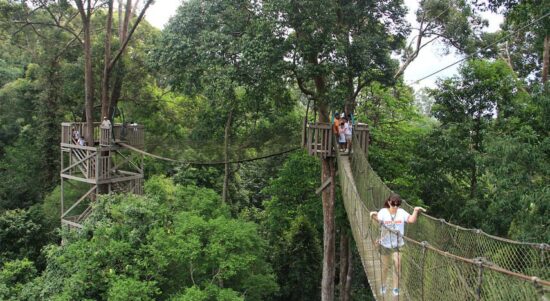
{"points": [[520, 257], [440, 261]]}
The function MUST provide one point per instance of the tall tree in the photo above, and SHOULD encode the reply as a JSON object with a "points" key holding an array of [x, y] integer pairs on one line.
{"points": [[467, 107], [529, 24], [335, 49], [221, 50], [453, 22]]}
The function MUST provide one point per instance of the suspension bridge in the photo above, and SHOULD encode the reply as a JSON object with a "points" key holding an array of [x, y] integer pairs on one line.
{"points": [[440, 261]]}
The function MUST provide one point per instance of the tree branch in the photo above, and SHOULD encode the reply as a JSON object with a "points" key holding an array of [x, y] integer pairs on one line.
{"points": [[29, 23], [125, 43]]}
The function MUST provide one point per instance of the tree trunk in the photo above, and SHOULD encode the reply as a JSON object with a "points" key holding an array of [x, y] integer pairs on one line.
{"points": [[329, 257], [329, 246], [119, 74], [88, 76], [344, 264], [347, 287], [226, 157], [117, 88], [327, 196], [105, 101], [119, 19], [127, 15], [546, 59]]}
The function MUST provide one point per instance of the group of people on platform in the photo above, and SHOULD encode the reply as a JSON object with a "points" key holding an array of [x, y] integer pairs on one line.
{"points": [[342, 128], [77, 138]]}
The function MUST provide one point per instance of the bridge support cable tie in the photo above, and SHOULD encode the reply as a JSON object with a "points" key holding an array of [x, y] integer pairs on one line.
{"points": [[479, 262], [397, 268], [538, 288], [543, 249], [422, 263]]}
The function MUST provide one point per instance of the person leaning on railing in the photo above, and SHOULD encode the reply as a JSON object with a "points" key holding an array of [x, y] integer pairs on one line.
{"points": [[392, 221]]}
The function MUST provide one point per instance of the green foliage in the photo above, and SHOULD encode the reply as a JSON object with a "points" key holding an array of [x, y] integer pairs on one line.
{"points": [[177, 242], [13, 277], [525, 50], [293, 223], [130, 289], [23, 233], [486, 165], [396, 128], [300, 261]]}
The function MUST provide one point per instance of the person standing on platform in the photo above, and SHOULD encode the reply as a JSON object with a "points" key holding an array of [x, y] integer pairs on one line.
{"points": [[336, 124], [347, 133]]}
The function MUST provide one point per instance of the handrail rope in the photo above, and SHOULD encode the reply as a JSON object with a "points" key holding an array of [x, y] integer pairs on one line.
{"points": [[207, 163], [543, 246], [482, 49], [374, 177], [450, 255]]}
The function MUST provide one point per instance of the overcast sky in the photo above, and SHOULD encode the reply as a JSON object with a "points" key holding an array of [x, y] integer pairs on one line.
{"points": [[429, 60]]}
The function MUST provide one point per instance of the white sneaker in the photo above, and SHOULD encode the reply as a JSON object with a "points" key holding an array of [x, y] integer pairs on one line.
{"points": [[395, 291], [383, 290]]}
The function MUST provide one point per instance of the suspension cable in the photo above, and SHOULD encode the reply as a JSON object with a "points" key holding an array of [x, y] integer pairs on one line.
{"points": [[206, 162], [484, 48]]}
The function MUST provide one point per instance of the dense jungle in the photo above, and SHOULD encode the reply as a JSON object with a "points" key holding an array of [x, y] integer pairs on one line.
{"points": [[223, 91]]}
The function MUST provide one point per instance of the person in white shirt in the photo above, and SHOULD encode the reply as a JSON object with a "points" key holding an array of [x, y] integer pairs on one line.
{"points": [[347, 132], [392, 221]]}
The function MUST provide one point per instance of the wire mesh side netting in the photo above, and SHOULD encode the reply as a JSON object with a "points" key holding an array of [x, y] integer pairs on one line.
{"points": [[440, 261], [526, 258]]}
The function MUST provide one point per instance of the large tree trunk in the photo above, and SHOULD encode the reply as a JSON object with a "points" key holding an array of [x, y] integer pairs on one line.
{"points": [[546, 59], [119, 74], [105, 101], [117, 88], [329, 248], [226, 157], [344, 265], [329, 256], [347, 287], [88, 76]]}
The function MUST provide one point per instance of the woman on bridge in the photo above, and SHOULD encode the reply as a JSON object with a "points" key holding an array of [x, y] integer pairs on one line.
{"points": [[392, 220]]}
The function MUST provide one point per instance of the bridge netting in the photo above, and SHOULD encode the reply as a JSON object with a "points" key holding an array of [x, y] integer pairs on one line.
{"points": [[440, 261]]}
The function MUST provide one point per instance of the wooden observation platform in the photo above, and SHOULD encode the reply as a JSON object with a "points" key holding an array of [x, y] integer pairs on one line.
{"points": [[104, 167], [319, 139]]}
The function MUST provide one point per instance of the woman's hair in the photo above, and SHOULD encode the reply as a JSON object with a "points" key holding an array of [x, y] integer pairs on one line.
{"points": [[393, 199]]}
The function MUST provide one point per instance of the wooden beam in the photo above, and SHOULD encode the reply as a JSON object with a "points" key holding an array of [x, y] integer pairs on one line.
{"points": [[121, 179], [91, 181], [64, 221], [78, 162], [325, 184], [79, 200]]}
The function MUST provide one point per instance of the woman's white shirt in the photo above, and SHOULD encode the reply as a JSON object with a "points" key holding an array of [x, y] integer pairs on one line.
{"points": [[396, 223]]}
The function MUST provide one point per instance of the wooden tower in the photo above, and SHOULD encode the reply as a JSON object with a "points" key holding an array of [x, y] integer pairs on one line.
{"points": [[104, 167]]}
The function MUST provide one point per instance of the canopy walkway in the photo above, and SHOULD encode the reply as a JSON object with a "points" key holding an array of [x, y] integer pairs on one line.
{"points": [[440, 261]]}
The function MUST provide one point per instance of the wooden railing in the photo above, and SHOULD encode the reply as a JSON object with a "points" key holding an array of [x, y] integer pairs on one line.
{"points": [[318, 138], [130, 134], [361, 136]]}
